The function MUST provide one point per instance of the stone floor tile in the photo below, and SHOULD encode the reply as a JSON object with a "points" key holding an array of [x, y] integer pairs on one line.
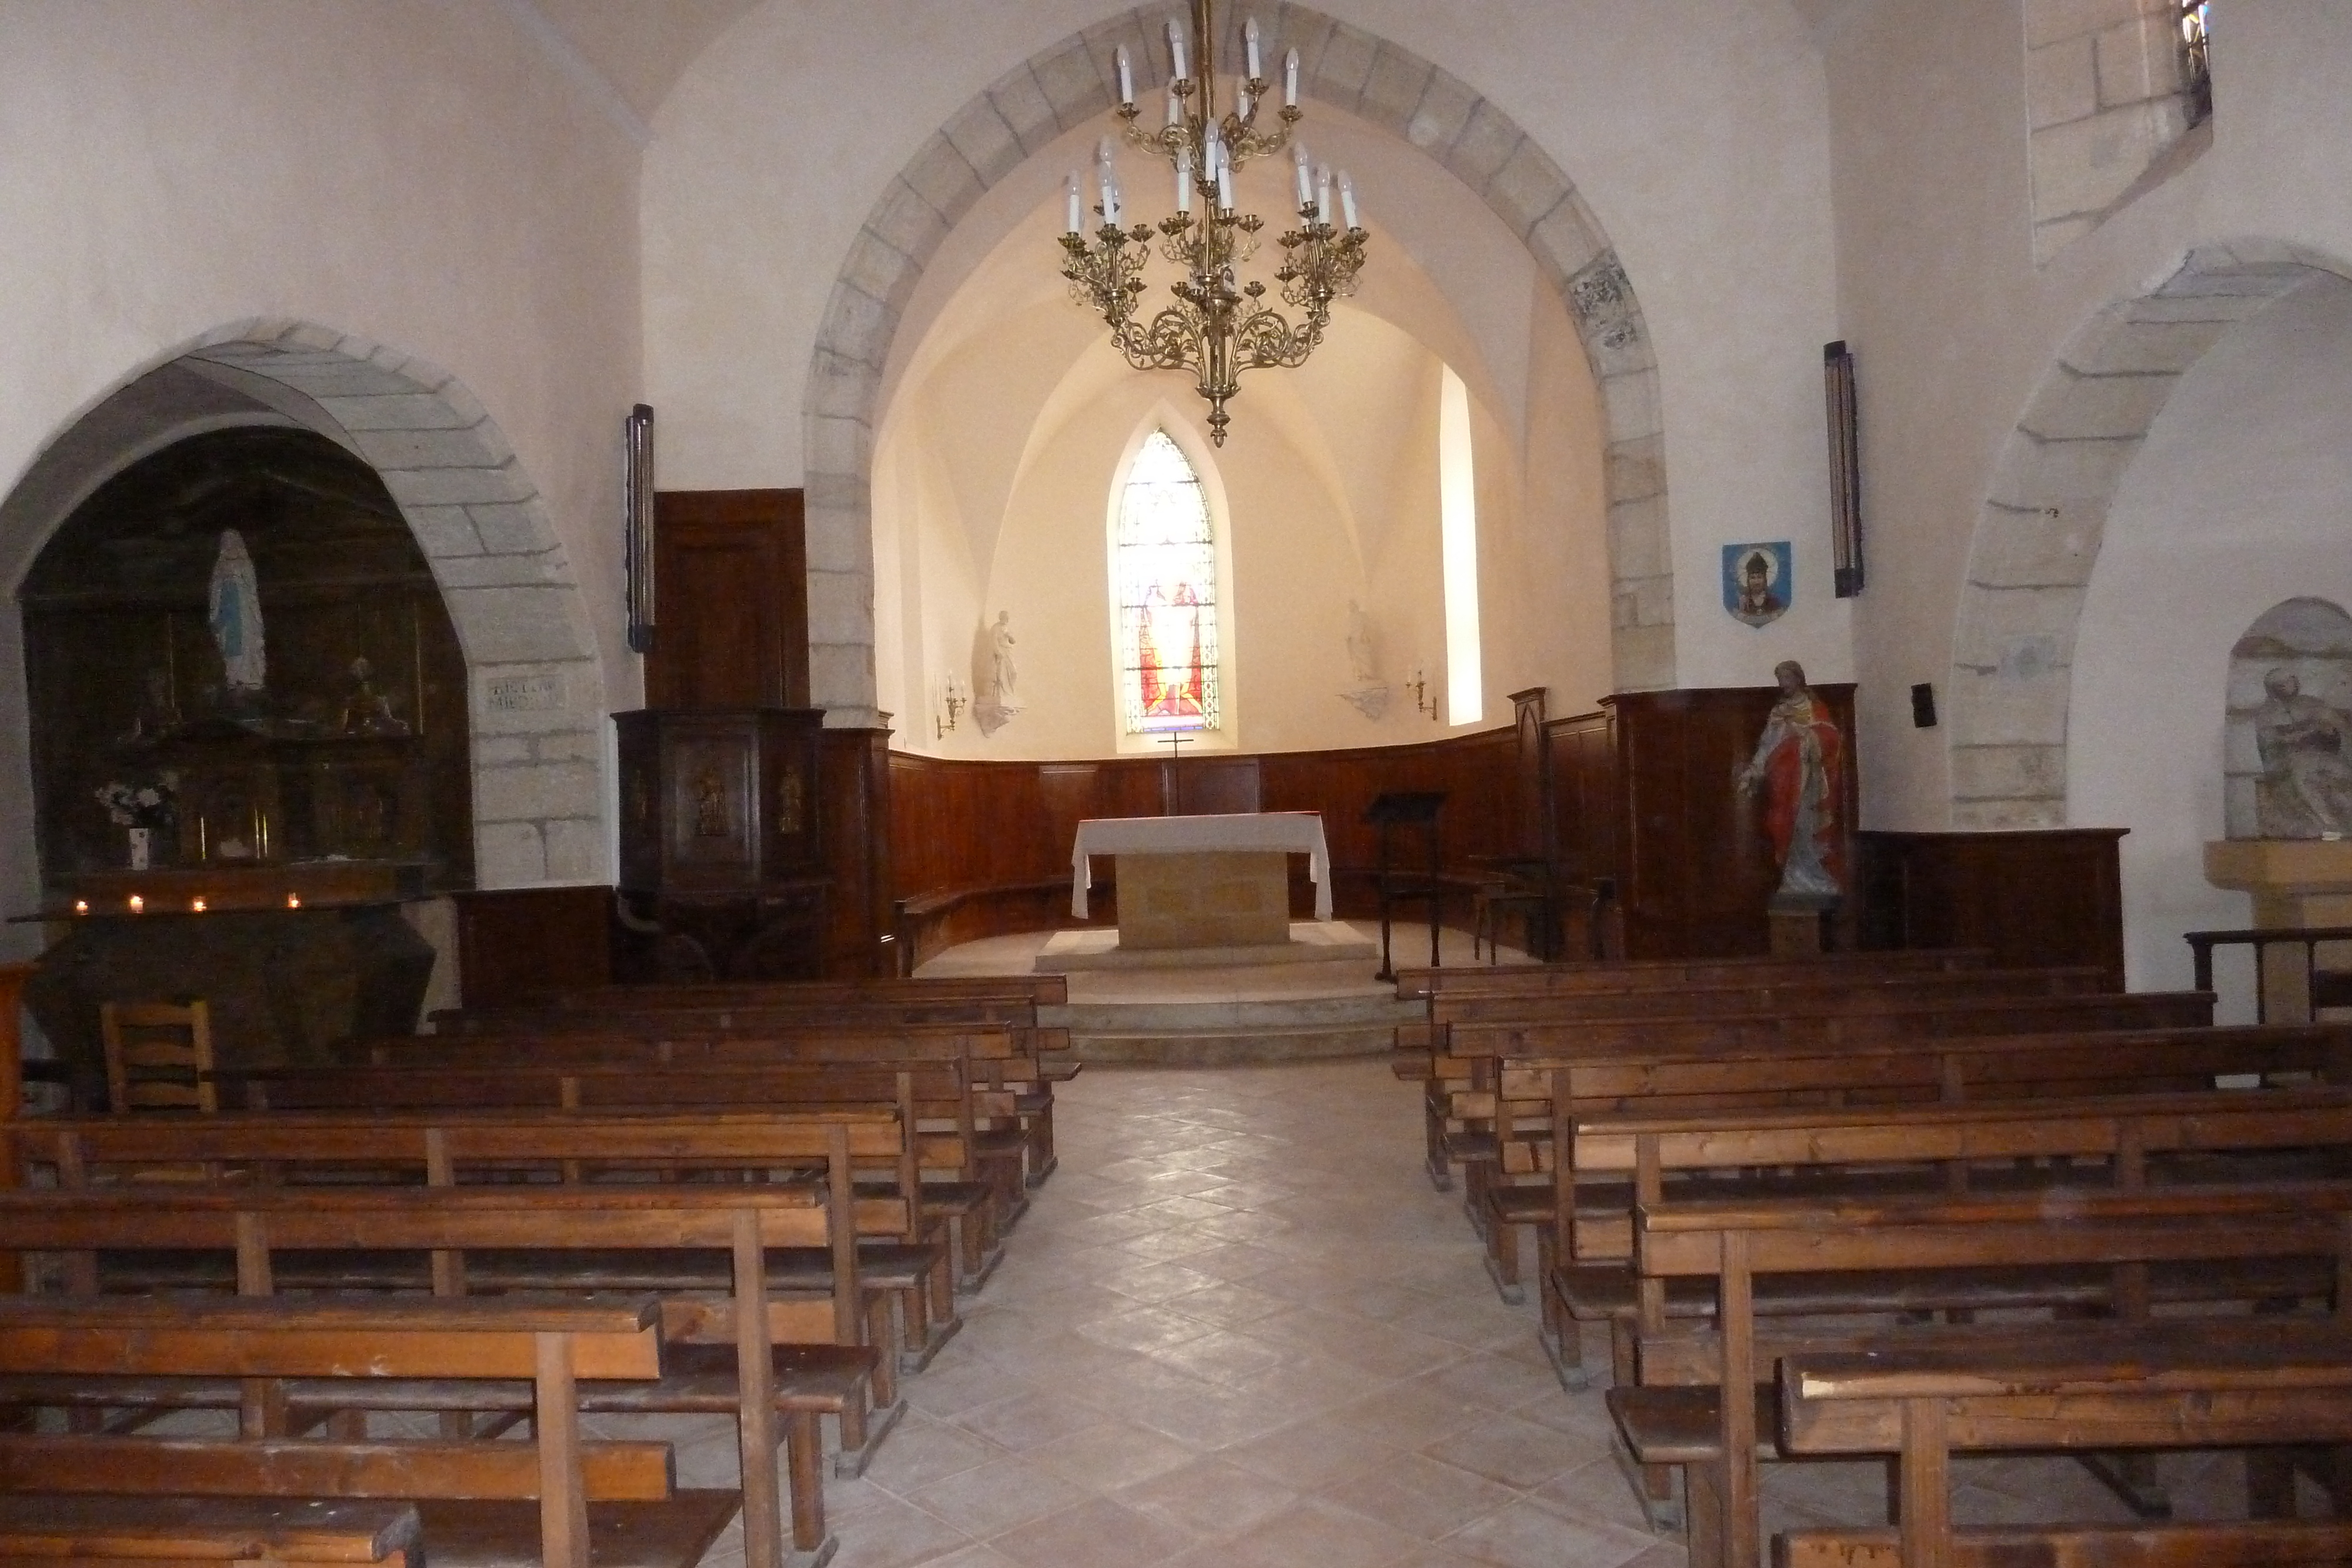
{"points": [[993, 1497], [1420, 1496], [1523, 1535], [1208, 1497], [895, 1534], [1318, 1532], [1113, 1455], [1026, 1420], [1517, 1453], [921, 1450], [1314, 1454], [1099, 1534]]}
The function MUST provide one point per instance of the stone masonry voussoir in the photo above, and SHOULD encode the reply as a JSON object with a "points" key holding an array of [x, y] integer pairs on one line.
{"points": [[979, 134], [1527, 189], [1072, 84], [1485, 144], [840, 538], [519, 527], [1446, 107], [1393, 91], [402, 411], [941, 177], [504, 484], [424, 448], [906, 223], [534, 791], [1344, 66], [1024, 107], [514, 625], [443, 531]]}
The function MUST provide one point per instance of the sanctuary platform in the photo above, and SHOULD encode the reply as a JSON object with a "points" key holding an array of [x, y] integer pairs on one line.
{"points": [[1307, 1006]]}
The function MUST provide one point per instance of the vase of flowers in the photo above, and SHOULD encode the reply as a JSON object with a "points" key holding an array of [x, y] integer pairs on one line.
{"points": [[141, 807]]}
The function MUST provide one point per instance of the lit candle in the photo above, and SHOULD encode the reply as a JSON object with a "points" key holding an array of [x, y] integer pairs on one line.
{"points": [[1249, 37], [1184, 186], [1077, 208], [1306, 176], [1323, 195], [1348, 199], [1290, 80], [1125, 77], [138, 905], [196, 906], [81, 907], [293, 901], [1176, 48]]}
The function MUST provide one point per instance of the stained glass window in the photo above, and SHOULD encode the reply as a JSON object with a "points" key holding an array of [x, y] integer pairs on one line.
{"points": [[2196, 74], [1167, 579]]}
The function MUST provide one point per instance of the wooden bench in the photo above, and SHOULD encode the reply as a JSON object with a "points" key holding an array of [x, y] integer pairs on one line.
{"points": [[175, 1530], [730, 1351], [1538, 1102], [1699, 1404], [1626, 974], [573, 1488], [2192, 1385], [944, 1168]]}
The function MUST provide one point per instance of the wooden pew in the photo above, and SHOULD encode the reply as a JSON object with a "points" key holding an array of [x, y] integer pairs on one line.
{"points": [[1625, 974], [469, 1144], [569, 1485], [2207, 1383], [1540, 1101], [172, 1531], [1699, 1405], [941, 1171], [733, 1350]]}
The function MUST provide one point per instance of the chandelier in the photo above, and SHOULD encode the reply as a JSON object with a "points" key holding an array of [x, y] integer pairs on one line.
{"points": [[1218, 326]]}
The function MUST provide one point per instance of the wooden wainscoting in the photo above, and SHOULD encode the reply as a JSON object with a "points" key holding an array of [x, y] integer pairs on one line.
{"points": [[982, 849]]}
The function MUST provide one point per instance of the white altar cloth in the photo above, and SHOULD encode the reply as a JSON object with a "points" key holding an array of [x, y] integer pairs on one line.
{"points": [[1273, 833]]}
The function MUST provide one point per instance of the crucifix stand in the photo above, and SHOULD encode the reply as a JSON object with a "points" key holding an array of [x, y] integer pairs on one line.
{"points": [[1171, 800]]}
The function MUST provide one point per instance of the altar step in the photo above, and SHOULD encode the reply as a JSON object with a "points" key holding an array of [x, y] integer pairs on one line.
{"points": [[1227, 1033]]}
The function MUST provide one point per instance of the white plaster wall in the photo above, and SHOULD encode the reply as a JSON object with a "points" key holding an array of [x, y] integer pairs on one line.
{"points": [[1697, 132], [1954, 324], [417, 173], [2241, 498]]}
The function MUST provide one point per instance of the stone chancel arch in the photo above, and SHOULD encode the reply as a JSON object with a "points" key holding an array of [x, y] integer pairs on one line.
{"points": [[2038, 537], [536, 697], [1072, 84]]}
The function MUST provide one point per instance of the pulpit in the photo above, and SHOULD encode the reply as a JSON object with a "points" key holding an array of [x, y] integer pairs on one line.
{"points": [[721, 847], [2295, 884]]}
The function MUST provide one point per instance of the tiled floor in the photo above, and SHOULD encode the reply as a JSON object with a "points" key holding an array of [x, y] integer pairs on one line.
{"points": [[1238, 1327]]}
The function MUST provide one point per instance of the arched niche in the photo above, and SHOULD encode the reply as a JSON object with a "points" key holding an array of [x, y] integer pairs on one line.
{"points": [[355, 746], [534, 699], [2309, 640]]}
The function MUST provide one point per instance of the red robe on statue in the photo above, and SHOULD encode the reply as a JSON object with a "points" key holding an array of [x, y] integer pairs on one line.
{"points": [[1803, 758]]}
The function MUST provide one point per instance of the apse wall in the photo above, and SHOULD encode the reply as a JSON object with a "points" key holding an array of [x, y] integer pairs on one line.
{"points": [[2241, 498], [1697, 134], [1956, 328]]}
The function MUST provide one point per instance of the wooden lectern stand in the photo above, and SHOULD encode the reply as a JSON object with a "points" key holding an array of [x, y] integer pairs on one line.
{"points": [[1410, 809]]}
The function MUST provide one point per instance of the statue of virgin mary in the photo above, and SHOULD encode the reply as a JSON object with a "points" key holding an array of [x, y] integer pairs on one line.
{"points": [[235, 616]]}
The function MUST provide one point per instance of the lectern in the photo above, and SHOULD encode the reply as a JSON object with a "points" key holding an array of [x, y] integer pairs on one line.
{"points": [[1407, 807]]}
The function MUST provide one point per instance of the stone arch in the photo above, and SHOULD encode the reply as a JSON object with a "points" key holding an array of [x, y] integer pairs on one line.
{"points": [[536, 696], [2037, 538], [1072, 83]]}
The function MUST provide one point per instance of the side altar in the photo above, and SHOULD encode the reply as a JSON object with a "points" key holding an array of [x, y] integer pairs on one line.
{"points": [[1203, 890]]}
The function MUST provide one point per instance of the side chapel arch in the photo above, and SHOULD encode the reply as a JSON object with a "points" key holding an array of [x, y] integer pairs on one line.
{"points": [[2037, 538], [536, 696], [1072, 83]]}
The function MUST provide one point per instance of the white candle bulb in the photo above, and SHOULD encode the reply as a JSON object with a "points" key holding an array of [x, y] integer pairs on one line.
{"points": [[1126, 77], [1323, 195], [1348, 200], [1249, 37], [1078, 207], [1105, 153], [1176, 48], [1175, 107], [1184, 186], [1306, 175], [1290, 80], [1241, 105], [1226, 186], [1109, 197]]}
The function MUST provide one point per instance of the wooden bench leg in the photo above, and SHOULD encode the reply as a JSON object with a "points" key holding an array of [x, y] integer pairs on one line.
{"points": [[1441, 1169], [803, 1461], [1503, 1260]]}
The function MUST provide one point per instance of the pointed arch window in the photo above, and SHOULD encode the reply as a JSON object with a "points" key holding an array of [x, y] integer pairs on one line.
{"points": [[1166, 579]]}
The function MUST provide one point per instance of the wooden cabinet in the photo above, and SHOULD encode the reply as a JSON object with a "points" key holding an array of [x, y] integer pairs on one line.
{"points": [[730, 600], [722, 841], [2050, 896]]}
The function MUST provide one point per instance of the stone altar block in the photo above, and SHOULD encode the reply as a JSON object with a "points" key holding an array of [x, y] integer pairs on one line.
{"points": [[1203, 881]]}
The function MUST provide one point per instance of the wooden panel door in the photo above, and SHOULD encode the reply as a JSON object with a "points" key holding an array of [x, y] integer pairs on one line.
{"points": [[730, 600]]}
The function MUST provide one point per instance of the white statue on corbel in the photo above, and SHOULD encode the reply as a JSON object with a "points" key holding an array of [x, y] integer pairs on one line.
{"points": [[994, 678], [1369, 695]]}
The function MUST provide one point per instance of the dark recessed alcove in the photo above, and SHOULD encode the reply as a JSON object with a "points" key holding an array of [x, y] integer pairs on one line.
{"points": [[325, 762]]}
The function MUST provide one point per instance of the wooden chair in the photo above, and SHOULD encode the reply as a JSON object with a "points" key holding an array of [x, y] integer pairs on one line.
{"points": [[159, 1057]]}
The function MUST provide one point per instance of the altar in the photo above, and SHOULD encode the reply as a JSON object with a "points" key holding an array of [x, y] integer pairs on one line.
{"points": [[1219, 882]]}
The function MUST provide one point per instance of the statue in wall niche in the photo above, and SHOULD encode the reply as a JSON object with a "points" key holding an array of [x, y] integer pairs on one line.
{"points": [[2306, 776], [369, 711], [1001, 675], [1799, 767], [1363, 653], [234, 613]]}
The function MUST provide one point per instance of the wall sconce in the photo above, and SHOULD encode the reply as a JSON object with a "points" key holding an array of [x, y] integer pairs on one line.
{"points": [[956, 700], [1419, 687]]}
